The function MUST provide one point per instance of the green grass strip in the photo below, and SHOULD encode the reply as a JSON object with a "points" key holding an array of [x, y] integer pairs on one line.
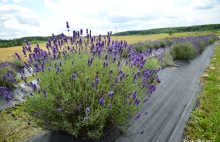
{"points": [[204, 123]]}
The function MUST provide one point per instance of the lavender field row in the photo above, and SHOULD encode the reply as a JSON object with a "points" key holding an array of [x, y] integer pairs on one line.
{"points": [[86, 83]]}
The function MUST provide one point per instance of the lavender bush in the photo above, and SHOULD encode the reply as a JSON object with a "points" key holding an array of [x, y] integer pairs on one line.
{"points": [[150, 45], [155, 57], [86, 96], [83, 85], [140, 48], [183, 51], [187, 48], [166, 59]]}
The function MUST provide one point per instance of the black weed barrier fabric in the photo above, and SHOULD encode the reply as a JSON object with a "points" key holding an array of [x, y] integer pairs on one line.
{"points": [[110, 135], [164, 115]]}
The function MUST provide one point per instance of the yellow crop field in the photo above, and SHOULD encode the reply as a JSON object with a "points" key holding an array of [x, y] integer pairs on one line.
{"points": [[6, 52]]}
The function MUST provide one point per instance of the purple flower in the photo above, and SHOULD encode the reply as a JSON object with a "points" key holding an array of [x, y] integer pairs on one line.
{"points": [[116, 79], [26, 42], [4, 78], [38, 79], [110, 72], [145, 100], [122, 75], [7, 94], [31, 84], [34, 56], [134, 94], [158, 80], [17, 55], [114, 59], [97, 81], [57, 70], [85, 118], [138, 116], [34, 87], [60, 62], [73, 76], [119, 63], [31, 93], [59, 110], [55, 65], [90, 61], [105, 64], [48, 69], [45, 54], [36, 66], [87, 110], [74, 34], [151, 88], [22, 90], [30, 58], [135, 76], [102, 101], [67, 25], [110, 93], [138, 101], [93, 84]]}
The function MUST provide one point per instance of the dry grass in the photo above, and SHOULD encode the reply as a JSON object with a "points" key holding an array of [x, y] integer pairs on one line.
{"points": [[14, 125]]}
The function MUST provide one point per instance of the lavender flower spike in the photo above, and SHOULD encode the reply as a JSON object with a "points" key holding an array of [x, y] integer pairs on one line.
{"points": [[85, 118], [110, 94], [138, 116], [59, 110], [67, 25], [87, 110]]}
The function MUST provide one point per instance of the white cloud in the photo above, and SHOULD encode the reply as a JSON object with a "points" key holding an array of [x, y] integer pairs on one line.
{"points": [[204, 4], [18, 0], [104, 15], [15, 19], [3, 1]]}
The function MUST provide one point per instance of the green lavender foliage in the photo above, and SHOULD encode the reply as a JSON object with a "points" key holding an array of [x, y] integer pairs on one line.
{"points": [[66, 101]]}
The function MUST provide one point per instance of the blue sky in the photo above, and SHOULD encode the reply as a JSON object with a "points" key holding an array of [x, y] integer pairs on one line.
{"points": [[19, 18]]}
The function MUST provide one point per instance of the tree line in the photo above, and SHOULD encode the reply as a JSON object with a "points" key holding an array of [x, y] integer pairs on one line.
{"points": [[171, 30], [20, 41]]}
